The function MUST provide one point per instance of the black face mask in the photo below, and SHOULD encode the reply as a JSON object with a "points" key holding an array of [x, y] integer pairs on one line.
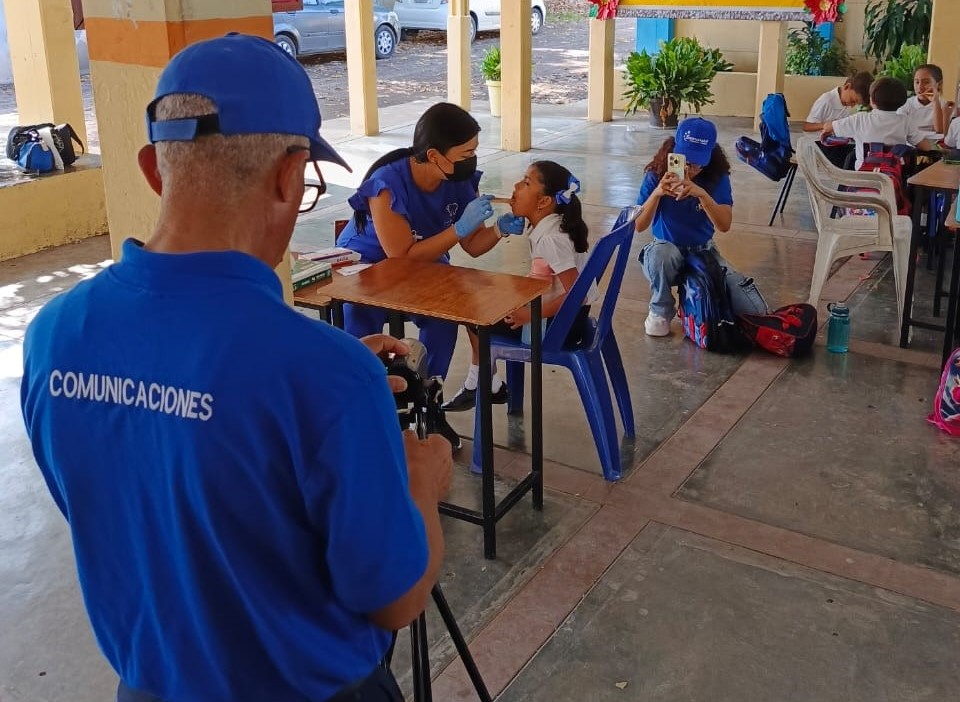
{"points": [[462, 170]]}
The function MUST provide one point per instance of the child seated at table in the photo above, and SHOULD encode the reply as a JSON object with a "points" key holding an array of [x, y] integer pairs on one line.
{"points": [[883, 124], [546, 197], [838, 103], [927, 110]]}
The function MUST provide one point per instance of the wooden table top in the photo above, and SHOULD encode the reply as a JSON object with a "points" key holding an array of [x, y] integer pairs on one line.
{"points": [[938, 176], [454, 293]]}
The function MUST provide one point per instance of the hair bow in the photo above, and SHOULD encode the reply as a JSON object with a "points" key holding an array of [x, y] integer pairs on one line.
{"points": [[564, 196]]}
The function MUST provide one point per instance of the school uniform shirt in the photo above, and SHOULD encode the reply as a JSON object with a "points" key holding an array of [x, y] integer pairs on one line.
{"points": [[552, 253], [877, 126], [921, 116], [952, 139], [828, 108], [683, 222], [428, 214], [233, 476]]}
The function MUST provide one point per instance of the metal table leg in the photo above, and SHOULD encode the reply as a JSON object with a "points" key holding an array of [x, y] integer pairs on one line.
{"points": [[952, 303], [486, 446], [536, 398], [915, 236]]}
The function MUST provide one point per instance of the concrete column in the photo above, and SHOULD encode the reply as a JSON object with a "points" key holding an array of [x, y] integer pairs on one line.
{"points": [[516, 57], [361, 68], [458, 54], [600, 82], [944, 47], [770, 63], [43, 56], [130, 41]]}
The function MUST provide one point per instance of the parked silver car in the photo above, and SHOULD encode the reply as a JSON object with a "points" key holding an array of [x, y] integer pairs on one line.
{"points": [[320, 28], [484, 15]]}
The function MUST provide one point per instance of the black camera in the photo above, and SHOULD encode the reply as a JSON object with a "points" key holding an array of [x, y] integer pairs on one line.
{"points": [[420, 405]]}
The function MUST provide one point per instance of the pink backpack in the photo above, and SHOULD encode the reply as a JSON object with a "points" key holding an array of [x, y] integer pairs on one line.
{"points": [[946, 405]]}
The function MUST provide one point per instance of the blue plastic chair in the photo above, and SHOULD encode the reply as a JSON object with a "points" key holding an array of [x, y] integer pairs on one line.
{"points": [[598, 350]]}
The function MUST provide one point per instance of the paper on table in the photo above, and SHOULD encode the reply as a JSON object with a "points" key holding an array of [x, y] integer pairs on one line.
{"points": [[354, 269]]}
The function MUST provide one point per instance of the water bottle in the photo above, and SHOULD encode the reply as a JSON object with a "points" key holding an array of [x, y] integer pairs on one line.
{"points": [[838, 328]]}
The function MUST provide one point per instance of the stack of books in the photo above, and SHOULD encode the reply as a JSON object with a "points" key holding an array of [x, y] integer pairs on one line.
{"points": [[304, 272]]}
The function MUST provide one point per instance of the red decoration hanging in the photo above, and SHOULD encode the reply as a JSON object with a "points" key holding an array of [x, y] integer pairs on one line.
{"points": [[826, 10], [604, 9]]}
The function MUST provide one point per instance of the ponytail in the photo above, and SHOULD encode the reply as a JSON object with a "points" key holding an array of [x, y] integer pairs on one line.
{"points": [[359, 217], [571, 222]]}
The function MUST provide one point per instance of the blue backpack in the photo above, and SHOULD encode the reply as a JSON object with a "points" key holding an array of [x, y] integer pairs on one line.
{"points": [[771, 155], [705, 312]]}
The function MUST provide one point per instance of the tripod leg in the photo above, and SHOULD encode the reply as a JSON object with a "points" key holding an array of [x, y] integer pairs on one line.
{"points": [[457, 637], [426, 688], [418, 672]]}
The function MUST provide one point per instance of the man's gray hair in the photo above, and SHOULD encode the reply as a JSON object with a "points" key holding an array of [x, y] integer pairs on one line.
{"points": [[227, 165]]}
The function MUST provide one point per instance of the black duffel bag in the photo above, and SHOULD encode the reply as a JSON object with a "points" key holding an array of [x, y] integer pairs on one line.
{"points": [[63, 138]]}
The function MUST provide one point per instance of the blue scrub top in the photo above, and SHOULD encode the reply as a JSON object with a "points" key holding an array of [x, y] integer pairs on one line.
{"points": [[428, 213]]}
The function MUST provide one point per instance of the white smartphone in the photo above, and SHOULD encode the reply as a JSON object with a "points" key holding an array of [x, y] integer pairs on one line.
{"points": [[677, 163]]}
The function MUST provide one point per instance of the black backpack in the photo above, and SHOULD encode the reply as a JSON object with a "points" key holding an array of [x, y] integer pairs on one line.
{"points": [[63, 137], [705, 312]]}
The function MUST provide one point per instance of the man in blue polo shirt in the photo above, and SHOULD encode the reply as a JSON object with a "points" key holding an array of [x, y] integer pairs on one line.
{"points": [[248, 521]]}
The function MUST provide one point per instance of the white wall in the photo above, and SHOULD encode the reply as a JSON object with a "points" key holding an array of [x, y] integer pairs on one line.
{"points": [[6, 74]]}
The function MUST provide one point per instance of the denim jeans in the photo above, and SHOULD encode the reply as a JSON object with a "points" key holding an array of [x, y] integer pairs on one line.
{"points": [[438, 336], [662, 263]]}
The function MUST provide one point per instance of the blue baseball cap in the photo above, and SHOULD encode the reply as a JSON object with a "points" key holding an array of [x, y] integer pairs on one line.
{"points": [[695, 139], [257, 87]]}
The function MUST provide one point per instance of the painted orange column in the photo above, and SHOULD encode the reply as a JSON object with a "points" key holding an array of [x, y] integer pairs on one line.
{"points": [[130, 41], [944, 47], [601, 78], [46, 73], [458, 54], [516, 49]]}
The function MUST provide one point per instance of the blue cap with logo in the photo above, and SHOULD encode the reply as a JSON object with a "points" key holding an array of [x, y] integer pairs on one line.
{"points": [[257, 87], [696, 137]]}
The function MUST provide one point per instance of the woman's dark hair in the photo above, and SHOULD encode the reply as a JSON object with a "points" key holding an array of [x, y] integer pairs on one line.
{"points": [[556, 179], [711, 174], [441, 127], [933, 69]]}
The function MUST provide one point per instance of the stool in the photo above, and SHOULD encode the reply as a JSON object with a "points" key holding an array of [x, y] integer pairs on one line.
{"points": [[784, 190]]}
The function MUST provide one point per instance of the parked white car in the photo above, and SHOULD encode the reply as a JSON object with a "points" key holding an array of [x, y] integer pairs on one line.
{"points": [[484, 15]]}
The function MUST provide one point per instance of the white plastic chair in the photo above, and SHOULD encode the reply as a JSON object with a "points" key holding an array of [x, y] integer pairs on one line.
{"points": [[853, 234]]}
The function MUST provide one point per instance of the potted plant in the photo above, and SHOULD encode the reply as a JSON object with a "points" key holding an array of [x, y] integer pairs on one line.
{"points": [[490, 70], [809, 53], [681, 72]]}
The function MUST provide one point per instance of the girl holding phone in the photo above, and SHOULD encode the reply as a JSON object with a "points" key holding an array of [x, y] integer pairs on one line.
{"points": [[685, 212]]}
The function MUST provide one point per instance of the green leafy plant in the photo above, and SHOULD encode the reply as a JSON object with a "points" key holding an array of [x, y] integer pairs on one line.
{"points": [[681, 72], [809, 53], [490, 65], [889, 24], [903, 66]]}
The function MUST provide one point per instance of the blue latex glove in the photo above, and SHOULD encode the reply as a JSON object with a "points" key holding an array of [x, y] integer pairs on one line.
{"points": [[510, 224], [474, 215]]}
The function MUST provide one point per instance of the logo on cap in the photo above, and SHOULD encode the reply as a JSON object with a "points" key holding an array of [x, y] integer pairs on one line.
{"points": [[696, 140]]}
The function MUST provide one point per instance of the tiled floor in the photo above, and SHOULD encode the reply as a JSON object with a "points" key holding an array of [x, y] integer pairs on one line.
{"points": [[784, 530]]}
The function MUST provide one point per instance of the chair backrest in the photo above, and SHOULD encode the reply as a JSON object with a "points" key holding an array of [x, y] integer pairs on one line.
{"points": [[830, 187], [617, 241]]}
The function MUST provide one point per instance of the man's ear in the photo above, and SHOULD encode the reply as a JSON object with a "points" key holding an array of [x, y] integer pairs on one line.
{"points": [[289, 183], [147, 158]]}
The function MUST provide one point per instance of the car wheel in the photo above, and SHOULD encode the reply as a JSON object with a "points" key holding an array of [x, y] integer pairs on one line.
{"points": [[473, 28], [287, 43], [384, 42], [536, 20]]}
